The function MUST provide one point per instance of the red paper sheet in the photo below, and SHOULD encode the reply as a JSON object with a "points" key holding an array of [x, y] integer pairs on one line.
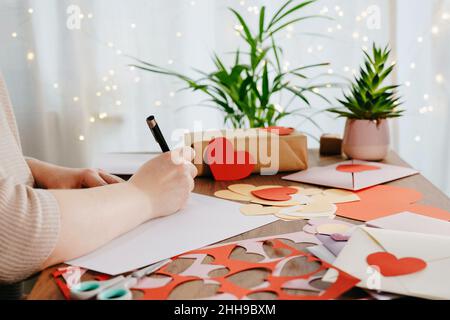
{"points": [[384, 200]]}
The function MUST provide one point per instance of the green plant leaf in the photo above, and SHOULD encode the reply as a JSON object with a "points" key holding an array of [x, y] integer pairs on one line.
{"points": [[261, 23], [280, 11], [292, 10], [244, 91], [285, 25], [248, 34], [368, 99]]}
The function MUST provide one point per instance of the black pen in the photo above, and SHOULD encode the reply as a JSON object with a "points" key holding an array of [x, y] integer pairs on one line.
{"points": [[154, 128]]}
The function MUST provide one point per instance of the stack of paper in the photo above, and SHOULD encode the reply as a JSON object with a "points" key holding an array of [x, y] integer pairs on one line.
{"points": [[403, 243]]}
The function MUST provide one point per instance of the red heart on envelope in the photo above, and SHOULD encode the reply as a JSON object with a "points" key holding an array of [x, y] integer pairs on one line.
{"points": [[354, 168], [390, 266], [225, 163], [275, 194]]}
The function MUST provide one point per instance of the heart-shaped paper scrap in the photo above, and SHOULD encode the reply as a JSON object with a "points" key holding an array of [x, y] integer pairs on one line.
{"points": [[313, 224], [390, 266], [275, 194], [281, 131], [355, 168], [332, 228], [225, 163]]}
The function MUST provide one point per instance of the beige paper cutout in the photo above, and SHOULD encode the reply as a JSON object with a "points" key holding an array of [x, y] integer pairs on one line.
{"points": [[336, 196], [229, 195], [258, 210], [243, 189], [331, 228], [288, 203]]}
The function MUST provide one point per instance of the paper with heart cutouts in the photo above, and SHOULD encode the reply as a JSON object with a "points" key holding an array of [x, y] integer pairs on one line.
{"points": [[275, 282], [357, 179], [431, 282]]}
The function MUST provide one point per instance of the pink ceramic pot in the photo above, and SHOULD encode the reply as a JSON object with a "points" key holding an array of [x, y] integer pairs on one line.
{"points": [[366, 140]]}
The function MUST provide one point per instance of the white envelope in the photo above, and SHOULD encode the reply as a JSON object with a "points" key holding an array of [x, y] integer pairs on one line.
{"points": [[329, 176], [412, 222], [431, 283]]}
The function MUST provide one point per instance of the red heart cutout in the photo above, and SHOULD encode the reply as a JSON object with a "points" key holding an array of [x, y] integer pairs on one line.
{"points": [[225, 163], [390, 266], [275, 194], [354, 168], [281, 131]]}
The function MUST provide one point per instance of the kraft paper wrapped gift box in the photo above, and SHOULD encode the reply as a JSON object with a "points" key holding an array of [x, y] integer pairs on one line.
{"points": [[292, 152]]}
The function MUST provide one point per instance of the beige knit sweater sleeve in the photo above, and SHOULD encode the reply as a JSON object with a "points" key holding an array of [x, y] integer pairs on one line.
{"points": [[29, 217]]}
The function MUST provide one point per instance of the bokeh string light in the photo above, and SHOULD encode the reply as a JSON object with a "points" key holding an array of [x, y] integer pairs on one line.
{"points": [[110, 89]]}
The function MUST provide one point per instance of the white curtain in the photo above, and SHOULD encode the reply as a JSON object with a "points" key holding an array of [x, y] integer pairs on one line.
{"points": [[423, 55], [75, 95]]}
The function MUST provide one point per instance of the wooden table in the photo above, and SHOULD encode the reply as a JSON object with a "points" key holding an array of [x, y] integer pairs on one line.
{"points": [[45, 287]]}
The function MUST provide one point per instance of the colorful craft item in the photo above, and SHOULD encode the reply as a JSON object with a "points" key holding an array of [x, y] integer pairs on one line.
{"points": [[275, 194], [287, 203], [226, 163], [385, 200], [354, 168], [281, 131], [274, 282], [351, 175], [406, 263], [390, 266]]}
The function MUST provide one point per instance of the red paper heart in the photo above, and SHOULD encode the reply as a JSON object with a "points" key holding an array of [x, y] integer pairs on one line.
{"points": [[275, 194], [354, 168], [225, 163], [390, 266], [281, 131]]}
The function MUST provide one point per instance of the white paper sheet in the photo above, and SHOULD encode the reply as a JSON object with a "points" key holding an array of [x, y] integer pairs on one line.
{"points": [[126, 163], [204, 221]]}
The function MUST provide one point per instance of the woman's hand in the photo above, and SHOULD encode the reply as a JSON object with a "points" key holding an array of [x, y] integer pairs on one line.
{"points": [[166, 181], [50, 176], [159, 188]]}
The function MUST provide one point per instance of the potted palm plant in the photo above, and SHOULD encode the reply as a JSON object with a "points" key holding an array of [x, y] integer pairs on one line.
{"points": [[368, 107], [246, 90]]}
